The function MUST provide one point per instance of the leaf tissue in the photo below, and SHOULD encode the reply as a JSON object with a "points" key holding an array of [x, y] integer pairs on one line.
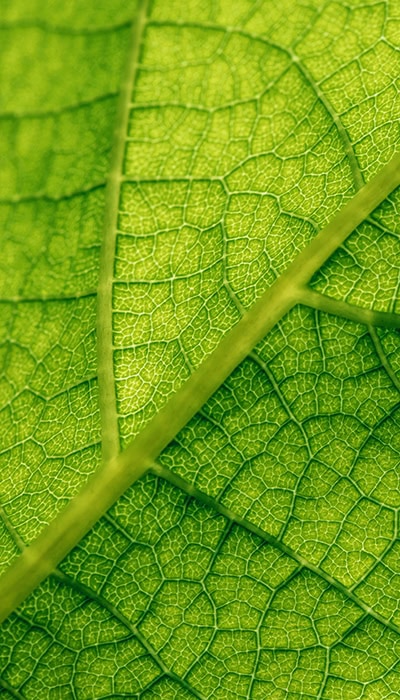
{"points": [[199, 350]]}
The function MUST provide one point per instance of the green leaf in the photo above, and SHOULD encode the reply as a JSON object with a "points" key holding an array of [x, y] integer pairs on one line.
{"points": [[200, 366]]}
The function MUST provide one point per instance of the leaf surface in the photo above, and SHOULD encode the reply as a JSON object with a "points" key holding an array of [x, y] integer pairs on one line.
{"points": [[259, 557]]}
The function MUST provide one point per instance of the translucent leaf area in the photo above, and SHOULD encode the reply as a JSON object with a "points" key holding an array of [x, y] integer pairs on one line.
{"points": [[262, 561]]}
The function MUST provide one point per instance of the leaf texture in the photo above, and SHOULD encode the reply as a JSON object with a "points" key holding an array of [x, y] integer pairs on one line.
{"points": [[259, 557]]}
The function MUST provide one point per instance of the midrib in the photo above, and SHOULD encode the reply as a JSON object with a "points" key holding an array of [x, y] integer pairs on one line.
{"points": [[105, 359]]}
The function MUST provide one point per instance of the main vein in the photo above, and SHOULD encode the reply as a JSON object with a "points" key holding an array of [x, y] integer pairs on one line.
{"points": [[117, 473]]}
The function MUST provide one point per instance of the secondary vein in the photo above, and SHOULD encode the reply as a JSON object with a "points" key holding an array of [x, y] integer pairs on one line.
{"points": [[358, 314], [192, 491], [107, 395]]}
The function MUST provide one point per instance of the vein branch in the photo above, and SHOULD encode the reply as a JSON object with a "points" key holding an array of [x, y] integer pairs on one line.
{"points": [[333, 235], [370, 317], [192, 491], [18, 541], [382, 356], [103, 602], [10, 690], [107, 396]]}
